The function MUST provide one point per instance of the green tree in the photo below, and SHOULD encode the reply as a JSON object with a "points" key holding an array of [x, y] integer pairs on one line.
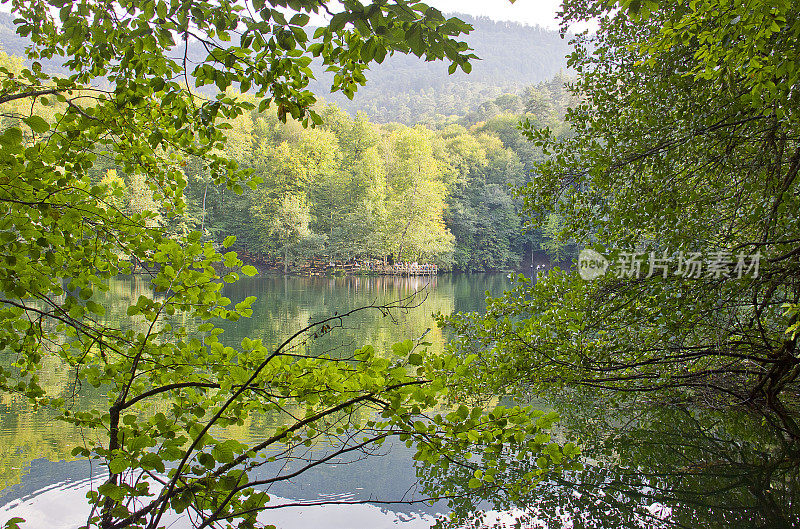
{"points": [[416, 197], [347, 201], [686, 141], [282, 170], [290, 225], [169, 383], [481, 212]]}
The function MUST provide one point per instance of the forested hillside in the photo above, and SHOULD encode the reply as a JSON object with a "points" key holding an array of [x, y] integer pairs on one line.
{"points": [[408, 90], [355, 188], [10, 41], [352, 188]]}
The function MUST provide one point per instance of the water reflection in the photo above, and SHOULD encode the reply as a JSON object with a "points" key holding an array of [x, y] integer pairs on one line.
{"points": [[647, 464], [285, 304], [657, 465], [348, 492], [63, 505], [35, 449], [704, 466]]}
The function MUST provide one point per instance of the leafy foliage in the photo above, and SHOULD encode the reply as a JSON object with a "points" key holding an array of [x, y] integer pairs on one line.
{"points": [[403, 88], [685, 141], [169, 381]]}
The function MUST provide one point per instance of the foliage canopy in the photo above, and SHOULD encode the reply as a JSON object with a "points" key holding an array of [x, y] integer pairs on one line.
{"points": [[685, 141], [169, 380]]}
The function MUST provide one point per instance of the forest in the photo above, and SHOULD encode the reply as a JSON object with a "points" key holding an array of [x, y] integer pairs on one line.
{"points": [[189, 136], [424, 186], [353, 189], [405, 89]]}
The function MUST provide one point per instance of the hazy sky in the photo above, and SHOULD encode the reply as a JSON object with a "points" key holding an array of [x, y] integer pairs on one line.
{"points": [[532, 12]]}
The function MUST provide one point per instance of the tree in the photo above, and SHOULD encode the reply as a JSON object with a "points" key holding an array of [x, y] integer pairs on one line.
{"points": [[685, 141], [169, 382], [290, 225], [481, 212], [415, 201], [345, 198]]}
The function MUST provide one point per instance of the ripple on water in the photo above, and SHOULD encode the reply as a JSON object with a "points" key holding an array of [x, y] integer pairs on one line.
{"points": [[64, 506]]}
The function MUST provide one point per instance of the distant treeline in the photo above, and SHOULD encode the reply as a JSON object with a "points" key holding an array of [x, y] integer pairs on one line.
{"points": [[353, 189], [409, 90]]}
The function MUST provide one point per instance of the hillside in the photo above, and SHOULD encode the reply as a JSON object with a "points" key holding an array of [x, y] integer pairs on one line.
{"points": [[409, 90]]}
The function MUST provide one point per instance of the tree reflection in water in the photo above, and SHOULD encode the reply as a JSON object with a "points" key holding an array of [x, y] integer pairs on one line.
{"points": [[648, 465]]}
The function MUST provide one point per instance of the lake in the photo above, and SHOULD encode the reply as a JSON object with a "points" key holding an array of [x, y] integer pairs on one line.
{"points": [[648, 464]]}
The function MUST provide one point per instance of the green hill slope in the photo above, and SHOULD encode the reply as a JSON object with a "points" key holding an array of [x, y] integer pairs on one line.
{"points": [[409, 90]]}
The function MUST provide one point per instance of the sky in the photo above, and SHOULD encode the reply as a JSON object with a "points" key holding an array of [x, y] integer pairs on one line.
{"points": [[531, 12]]}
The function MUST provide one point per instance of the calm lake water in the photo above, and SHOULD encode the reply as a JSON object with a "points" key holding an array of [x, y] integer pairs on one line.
{"points": [[647, 465]]}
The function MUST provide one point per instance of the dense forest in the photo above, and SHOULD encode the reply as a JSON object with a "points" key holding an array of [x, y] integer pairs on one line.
{"points": [[408, 90], [373, 180], [351, 188], [405, 88], [354, 189]]}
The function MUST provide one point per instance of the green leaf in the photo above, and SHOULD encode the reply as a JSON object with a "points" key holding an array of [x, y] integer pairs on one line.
{"points": [[13, 523], [12, 136], [37, 124], [152, 461], [222, 453], [402, 348], [118, 465], [338, 21], [300, 19]]}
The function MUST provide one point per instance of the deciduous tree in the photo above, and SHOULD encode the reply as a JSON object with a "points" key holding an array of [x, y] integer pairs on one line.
{"points": [[170, 383], [685, 141]]}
